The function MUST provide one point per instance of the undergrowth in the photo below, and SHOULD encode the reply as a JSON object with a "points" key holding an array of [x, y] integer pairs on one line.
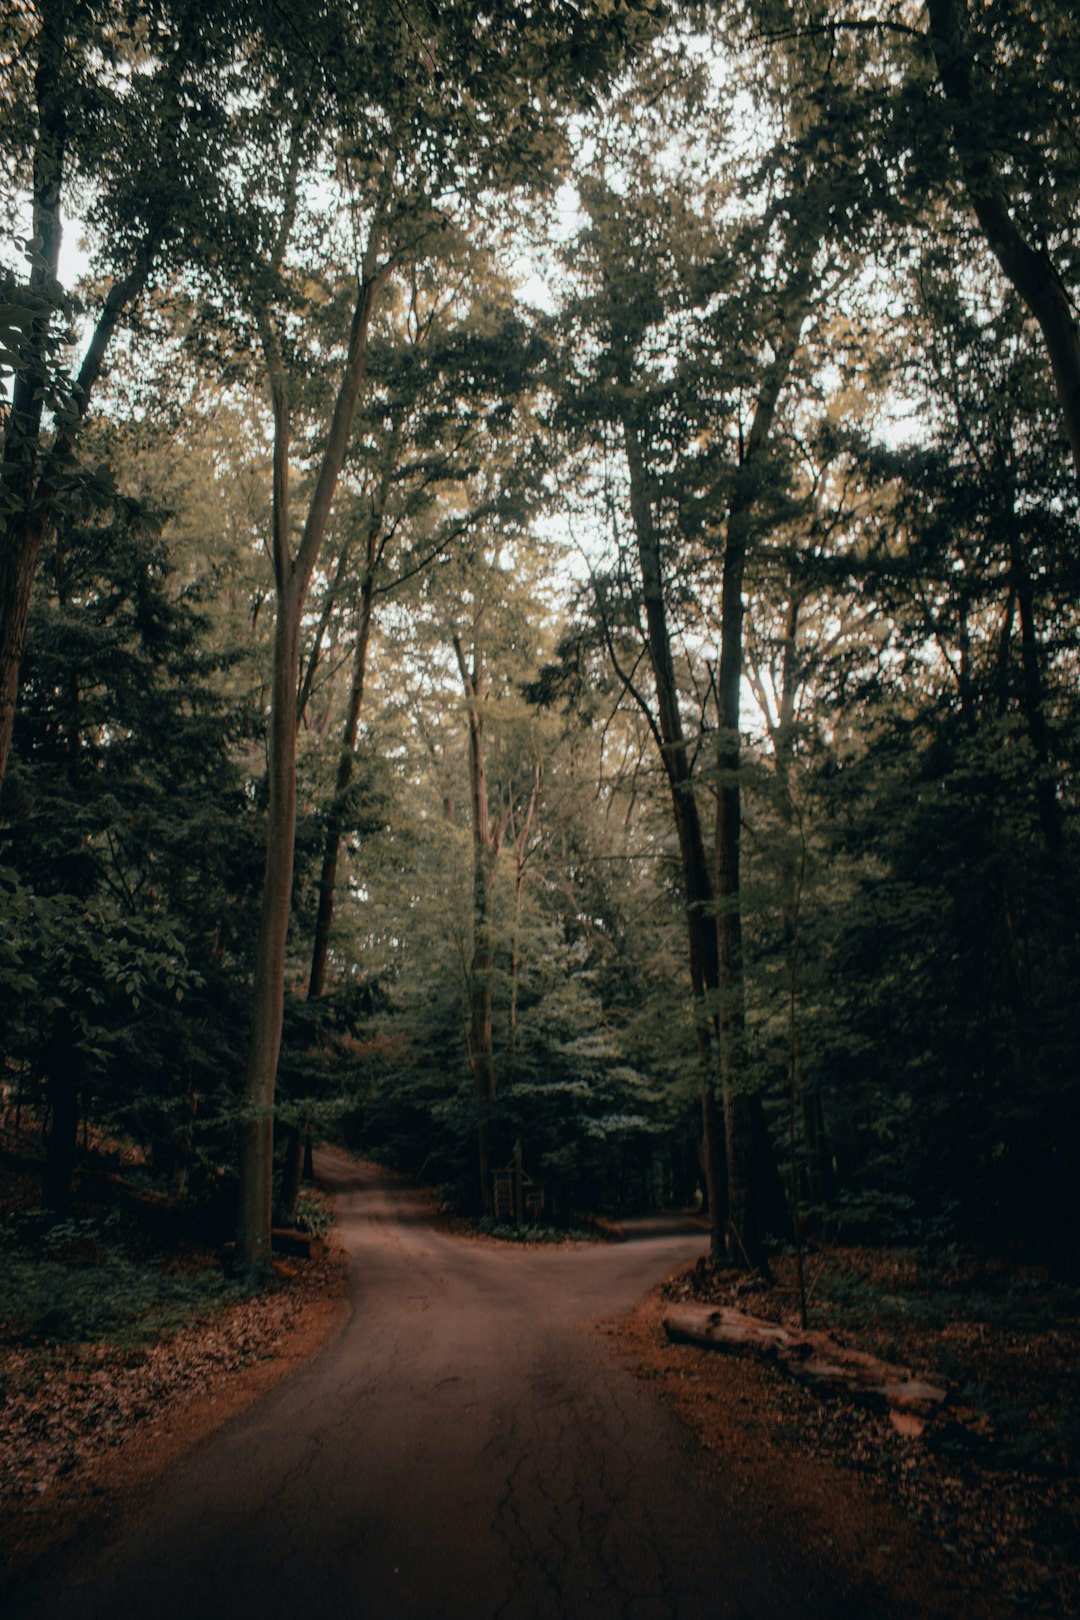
{"points": [[506, 1232], [314, 1213], [72, 1283], [120, 1303]]}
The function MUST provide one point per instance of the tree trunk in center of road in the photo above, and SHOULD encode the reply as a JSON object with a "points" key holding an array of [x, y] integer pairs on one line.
{"points": [[487, 839]]}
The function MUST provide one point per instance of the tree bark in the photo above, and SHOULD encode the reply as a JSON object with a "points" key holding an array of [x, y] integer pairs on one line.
{"points": [[292, 576], [521, 841], [324, 919], [781, 729], [697, 885], [744, 1226], [22, 448], [746, 1177], [487, 842], [268, 988]]}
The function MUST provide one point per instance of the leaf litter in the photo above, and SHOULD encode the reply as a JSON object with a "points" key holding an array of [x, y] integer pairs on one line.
{"points": [[991, 1481], [112, 1341]]}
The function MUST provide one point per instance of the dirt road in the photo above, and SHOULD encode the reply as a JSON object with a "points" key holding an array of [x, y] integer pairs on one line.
{"points": [[466, 1448]]}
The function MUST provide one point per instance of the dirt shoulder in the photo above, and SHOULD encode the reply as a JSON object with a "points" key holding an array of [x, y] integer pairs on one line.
{"points": [[85, 1433], [948, 1522]]}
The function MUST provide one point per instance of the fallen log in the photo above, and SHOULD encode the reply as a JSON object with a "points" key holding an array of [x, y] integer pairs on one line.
{"points": [[287, 1240], [814, 1358]]}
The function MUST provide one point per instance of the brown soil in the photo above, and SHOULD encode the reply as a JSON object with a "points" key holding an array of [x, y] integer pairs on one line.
{"points": [[947, 1519]]}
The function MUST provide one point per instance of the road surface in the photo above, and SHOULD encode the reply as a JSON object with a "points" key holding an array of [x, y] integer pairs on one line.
{"points": [[466, 1449]]}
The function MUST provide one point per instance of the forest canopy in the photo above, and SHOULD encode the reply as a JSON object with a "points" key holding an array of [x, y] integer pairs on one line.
{"points": [[538, 604]]}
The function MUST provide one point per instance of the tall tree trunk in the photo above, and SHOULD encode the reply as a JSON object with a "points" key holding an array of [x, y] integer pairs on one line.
{"points": [[487, 842], [481, 1029], [1027, 266], [697, 886], [807, 1104], [744, 1226], [292, 576], [268, 989], [22, 434], [298, 1146], [521, 843], [749, 1166], [336, 819]]}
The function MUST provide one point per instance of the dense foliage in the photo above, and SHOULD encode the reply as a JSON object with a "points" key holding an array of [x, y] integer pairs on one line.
{"points": [[591, 491]]}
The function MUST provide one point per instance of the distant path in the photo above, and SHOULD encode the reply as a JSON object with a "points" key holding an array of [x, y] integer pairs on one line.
{"points": [[466, 1449]]}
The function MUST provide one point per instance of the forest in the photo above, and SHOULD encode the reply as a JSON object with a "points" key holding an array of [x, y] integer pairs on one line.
{"points": [[538, 607]]}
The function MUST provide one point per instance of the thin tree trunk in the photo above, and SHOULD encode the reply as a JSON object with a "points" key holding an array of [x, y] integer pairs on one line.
{"points": [[297, 1167], [744, 1235], [521, 841], [481, 1032], [487, 841], [794, 1090], [807, 1104], [268, 989], [22, 449], [314, 658]]}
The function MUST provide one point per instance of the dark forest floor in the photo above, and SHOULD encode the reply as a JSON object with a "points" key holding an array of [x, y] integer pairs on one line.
{"points": [[994, 1478], [122, 1342]]}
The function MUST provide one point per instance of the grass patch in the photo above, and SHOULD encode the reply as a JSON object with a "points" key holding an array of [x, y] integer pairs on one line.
{"points": [[73, 1283], [116, 1301]]}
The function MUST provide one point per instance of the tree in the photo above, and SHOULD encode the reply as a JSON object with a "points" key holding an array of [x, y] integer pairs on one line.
{"points": [[497, 809], [687, 329], [448, 368], [583, 948], [450, 359], [126, 839], [939, 786], [418, 113], [976, 110], [1022, 183], [117, 102]]}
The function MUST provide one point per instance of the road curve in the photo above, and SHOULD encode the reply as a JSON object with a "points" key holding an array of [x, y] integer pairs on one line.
{"points": [[466, 1449]]}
